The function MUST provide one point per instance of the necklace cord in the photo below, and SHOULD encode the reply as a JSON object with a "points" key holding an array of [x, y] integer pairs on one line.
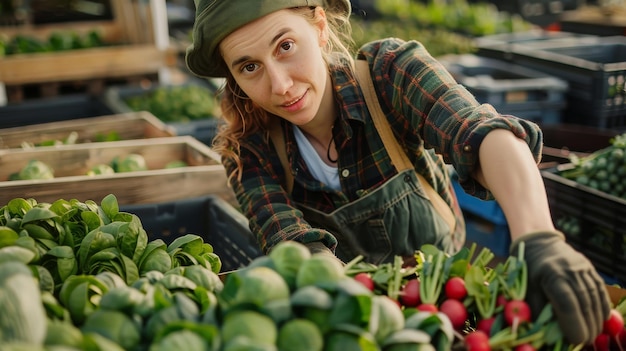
{"points": [[332, 139]]}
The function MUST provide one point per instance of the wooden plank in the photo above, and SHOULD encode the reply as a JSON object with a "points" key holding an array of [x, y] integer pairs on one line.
{"points": [[106, 62], [204, 176], [141, 188], [124, 14], [128, 126]]}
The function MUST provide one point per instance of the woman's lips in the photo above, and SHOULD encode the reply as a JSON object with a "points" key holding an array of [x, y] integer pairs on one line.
{"points": [[295, 104]]}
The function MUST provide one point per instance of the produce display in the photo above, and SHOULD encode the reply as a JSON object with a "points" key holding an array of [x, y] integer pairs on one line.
{"points": [[176, 103], [588, 204], [57, 41], [461, 16], [438, 41], [484, 302], [604, 170], [443, 27], [71, 139], [36, 169], [101, 284]]}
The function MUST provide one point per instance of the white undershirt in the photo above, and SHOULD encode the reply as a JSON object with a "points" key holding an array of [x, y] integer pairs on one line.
{"points": [[321, 171]]}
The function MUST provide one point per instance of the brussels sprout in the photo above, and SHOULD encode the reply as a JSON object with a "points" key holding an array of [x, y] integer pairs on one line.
{"points": [[288, 257], [130, 163], [257, 286], [350, 338], [300, 334], [35, 169], [100, 170], [256, 326], [181, 340], [320, 270]]}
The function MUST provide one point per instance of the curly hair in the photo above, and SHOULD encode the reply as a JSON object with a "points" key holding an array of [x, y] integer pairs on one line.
{"points": [[242, 117]]}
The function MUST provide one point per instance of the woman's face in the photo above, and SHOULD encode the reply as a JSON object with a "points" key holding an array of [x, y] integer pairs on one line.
{"points": [[277, 61]]}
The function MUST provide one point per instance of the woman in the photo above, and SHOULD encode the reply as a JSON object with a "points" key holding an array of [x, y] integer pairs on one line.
{"points": [[308, 162]]}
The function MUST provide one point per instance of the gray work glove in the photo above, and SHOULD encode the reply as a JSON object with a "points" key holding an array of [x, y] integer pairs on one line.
{"points": [[564, 277]]}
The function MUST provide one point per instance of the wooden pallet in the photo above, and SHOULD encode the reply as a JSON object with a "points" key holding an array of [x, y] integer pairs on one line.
{"points": [[135, 50]]}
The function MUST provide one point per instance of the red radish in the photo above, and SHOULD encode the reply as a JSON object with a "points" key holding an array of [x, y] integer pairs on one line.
{"points": [[365, 279], [524, 347], [427, 307], [501, 300], [455, 288], [485, 325], [516, 310], [410, 293], [621, 337], [602, 342], [456, 311], [477, 341], [614, 324]]}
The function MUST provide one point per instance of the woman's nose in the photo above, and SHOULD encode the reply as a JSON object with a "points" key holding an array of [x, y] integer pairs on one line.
{"points": [[280, 79]]}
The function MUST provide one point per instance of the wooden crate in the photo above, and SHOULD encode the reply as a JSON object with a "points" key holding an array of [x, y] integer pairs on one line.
{"points": [[204, 174], [103, 62], [128, 126], [134, 49]]}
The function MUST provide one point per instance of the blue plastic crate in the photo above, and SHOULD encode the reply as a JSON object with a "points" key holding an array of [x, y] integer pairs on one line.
{"points": [[485, 223], [512, 89], [210, 217], [486, 209], [487, 234]]}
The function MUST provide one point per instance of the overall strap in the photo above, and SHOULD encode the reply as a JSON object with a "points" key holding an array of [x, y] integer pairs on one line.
{"points": [[396, 152], [278, 139]]}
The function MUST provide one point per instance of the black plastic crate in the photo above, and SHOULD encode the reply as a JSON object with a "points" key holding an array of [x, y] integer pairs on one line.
{"points": [[596, 20], [539, 12], [560, 141], [60, 108], [593, 221], [210, 217], [510, 88], [499, 46], [203, 129], [594, 68]]}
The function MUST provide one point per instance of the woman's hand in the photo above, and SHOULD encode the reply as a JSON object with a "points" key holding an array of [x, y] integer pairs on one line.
{"points": [[563, 277]]}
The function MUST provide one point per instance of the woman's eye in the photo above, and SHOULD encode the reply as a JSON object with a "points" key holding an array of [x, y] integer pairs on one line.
{"points": [[249, 67], [286, 46]]}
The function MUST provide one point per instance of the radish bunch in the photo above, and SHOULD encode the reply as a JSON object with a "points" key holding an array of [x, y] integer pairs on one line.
{"points": [[613, 336], [483, 302]]}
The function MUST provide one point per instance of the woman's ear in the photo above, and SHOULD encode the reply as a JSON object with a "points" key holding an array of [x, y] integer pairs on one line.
{"points": [[322, 26]]}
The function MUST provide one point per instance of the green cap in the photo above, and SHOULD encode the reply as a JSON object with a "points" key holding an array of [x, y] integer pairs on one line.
{"points": [[216, 19]]}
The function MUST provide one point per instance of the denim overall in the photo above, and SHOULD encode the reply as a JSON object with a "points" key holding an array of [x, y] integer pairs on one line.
{"points": [[395, 219]]}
